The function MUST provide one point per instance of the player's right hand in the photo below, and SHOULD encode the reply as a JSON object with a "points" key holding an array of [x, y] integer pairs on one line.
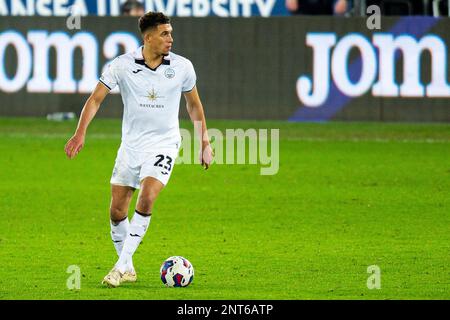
{"points": [[74, 145]]}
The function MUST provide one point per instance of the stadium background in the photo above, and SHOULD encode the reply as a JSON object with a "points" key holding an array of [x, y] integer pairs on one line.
{"points": [[269, 53], [248, 63]]}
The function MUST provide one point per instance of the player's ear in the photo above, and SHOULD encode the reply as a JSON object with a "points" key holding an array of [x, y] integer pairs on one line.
{"points": [[147, 36]]}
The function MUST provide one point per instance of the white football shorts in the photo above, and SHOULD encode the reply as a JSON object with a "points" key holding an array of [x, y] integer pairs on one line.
{"points": [[131, 167]]}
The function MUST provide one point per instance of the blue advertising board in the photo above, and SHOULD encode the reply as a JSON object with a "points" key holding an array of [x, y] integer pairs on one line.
{"points": [[178, 8]]}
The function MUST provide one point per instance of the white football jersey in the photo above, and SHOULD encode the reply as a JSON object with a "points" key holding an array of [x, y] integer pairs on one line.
{"points": [[151, 98]]}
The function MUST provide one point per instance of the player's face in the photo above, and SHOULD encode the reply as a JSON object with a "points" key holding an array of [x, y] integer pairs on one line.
{"points": [[160, 39]]}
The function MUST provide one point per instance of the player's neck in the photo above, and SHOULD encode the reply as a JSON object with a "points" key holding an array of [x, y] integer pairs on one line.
{"points": [[151, 58]]}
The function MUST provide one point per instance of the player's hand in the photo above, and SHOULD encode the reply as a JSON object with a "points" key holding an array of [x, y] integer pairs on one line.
{"points": [[206, 155], [74, 145]]}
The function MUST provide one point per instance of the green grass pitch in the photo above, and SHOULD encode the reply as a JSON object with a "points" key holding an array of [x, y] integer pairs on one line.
{"points": [[347, 196]]}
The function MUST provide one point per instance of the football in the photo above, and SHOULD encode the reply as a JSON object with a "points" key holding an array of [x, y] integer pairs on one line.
{"points": [[177, 271]]}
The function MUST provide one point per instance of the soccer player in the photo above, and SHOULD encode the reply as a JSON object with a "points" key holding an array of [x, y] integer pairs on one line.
{"points": [[151, 81]]}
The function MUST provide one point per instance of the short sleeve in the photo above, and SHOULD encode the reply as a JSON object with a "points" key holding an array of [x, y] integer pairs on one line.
{"points": [[109, 76], [190, 78]]}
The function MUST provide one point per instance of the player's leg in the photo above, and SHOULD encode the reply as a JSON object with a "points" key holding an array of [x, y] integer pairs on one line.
{"points": [[120, 202], [149, 191], [124, 180]]}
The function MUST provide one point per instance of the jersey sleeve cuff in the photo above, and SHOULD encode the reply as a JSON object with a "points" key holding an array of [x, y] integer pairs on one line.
{"points": [[105, 84], [186, 91]]}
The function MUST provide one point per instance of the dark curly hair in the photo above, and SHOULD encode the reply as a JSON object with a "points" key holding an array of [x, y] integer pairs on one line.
{"points": [[151, 20]]}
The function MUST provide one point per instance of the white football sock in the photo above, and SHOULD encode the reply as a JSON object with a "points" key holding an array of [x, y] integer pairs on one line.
{"points": [[119, 233], [136, 231]]}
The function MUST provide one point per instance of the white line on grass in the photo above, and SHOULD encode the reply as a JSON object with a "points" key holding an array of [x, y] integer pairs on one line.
{"points": [[105, 136], [22, 135], [379, 140]]}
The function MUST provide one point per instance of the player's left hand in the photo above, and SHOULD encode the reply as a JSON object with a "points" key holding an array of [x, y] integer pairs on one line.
{"points": [[74, 145], [206, 155]]}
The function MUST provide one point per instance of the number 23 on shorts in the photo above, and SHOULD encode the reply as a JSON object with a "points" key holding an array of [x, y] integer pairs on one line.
{"points": [[163, 162]]}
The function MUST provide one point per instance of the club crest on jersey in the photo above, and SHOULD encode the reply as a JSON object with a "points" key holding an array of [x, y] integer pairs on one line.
{"points": [[169, 73]]}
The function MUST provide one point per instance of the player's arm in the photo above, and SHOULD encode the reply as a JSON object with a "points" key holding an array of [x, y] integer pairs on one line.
{"points": [[195, 110], [76, 142]]}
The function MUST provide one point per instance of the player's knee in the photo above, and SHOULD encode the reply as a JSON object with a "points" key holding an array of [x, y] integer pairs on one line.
{"points": [[145, 206], [117, 214], [146, 202]]}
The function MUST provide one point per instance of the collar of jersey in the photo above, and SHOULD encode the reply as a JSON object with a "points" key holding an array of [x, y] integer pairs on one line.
{"points": [[139, 59]]}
